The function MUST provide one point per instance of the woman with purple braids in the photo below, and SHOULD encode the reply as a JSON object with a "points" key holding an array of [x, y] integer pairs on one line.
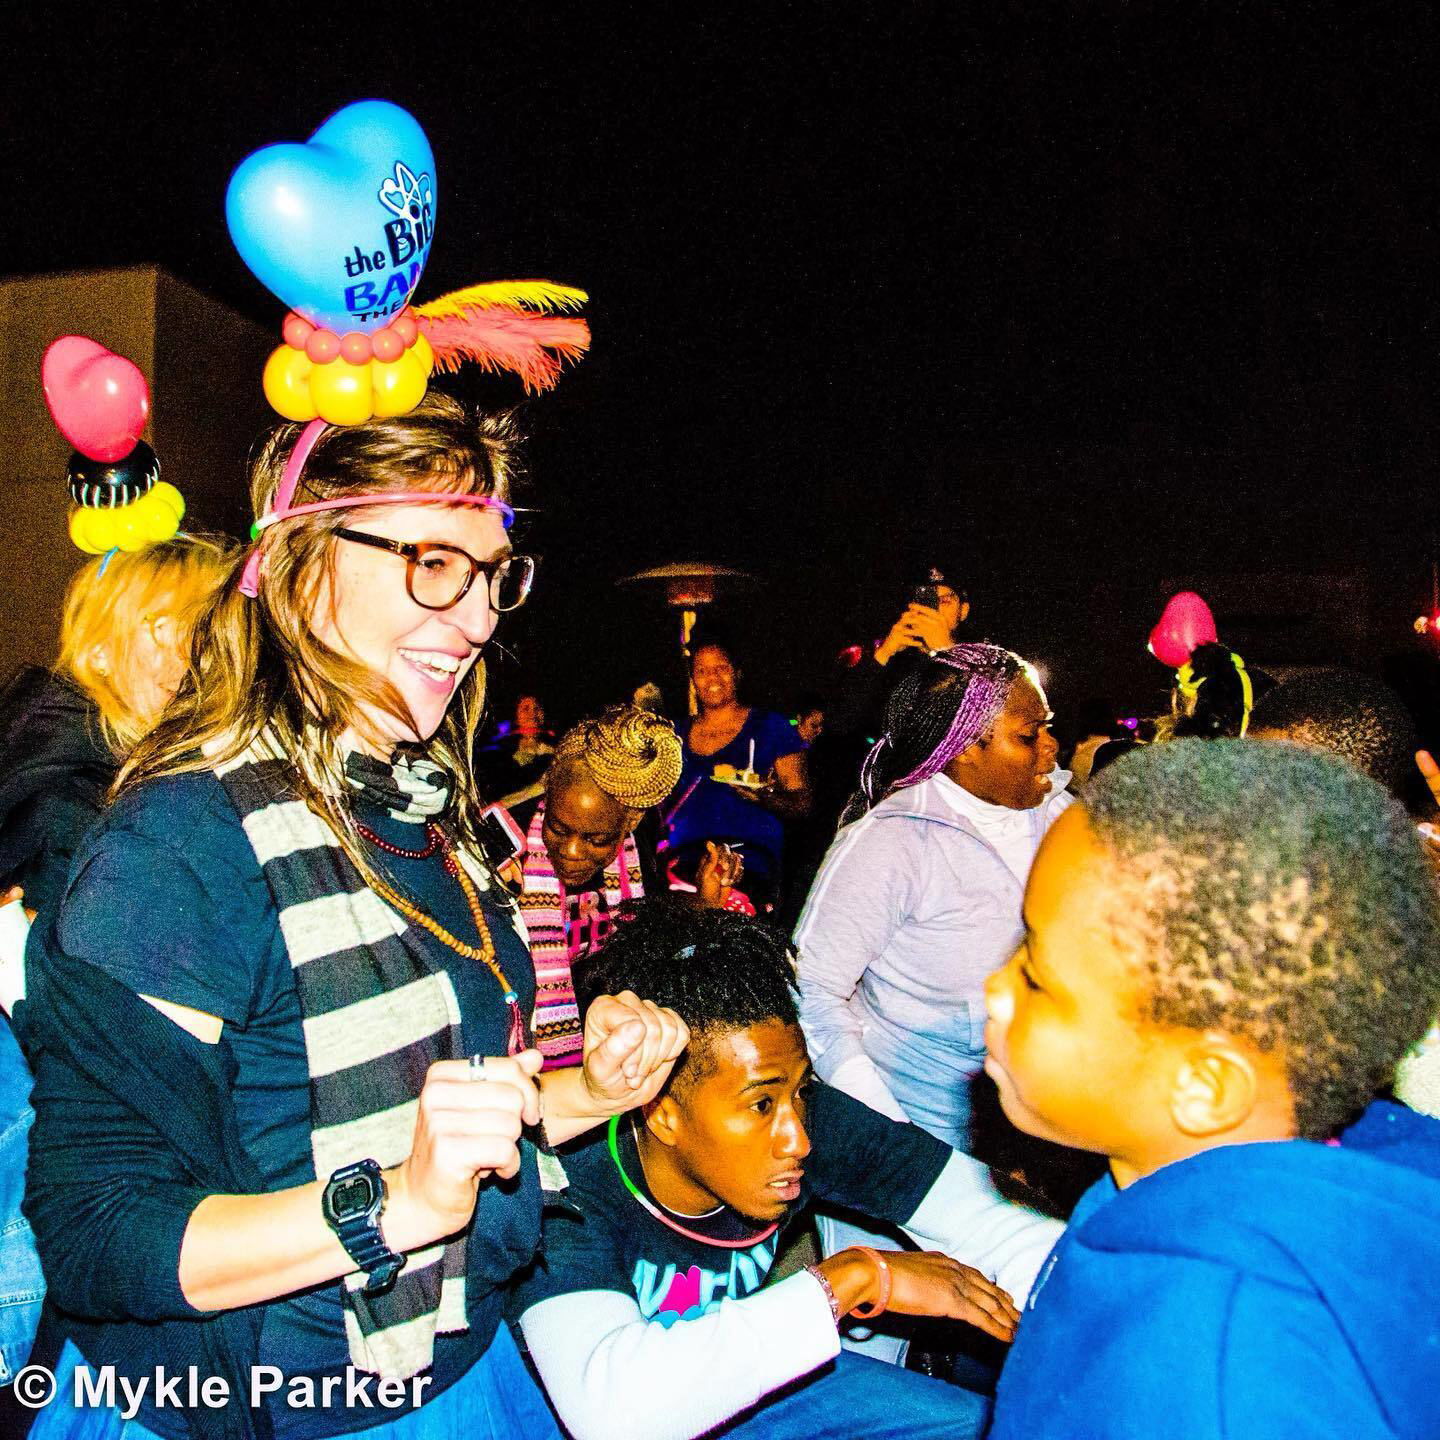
{"points": [[918, 899]]}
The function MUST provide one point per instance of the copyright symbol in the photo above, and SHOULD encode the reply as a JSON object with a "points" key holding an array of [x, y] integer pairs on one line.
{"points": [[34, 1387]]}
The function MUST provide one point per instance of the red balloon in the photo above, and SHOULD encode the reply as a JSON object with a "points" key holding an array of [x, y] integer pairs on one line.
{"points": [[355, 347], [322, 346], [99, 400], [1185, 623], [296, 331], [388, 345], [406, 327]]}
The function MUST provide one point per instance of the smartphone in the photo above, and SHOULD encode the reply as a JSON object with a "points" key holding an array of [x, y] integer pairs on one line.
{"points": [[926, 594], [501, 839]]}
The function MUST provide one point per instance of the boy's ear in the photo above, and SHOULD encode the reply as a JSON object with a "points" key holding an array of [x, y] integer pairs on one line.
{"points": [[1215, 1089], [663, 1120]]}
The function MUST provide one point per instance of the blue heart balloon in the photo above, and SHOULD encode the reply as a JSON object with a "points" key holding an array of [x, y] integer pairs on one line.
{"points": [[339, 228]]}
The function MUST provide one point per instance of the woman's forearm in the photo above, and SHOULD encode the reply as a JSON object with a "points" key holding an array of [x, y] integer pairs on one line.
{"points": [[248, 1249]]}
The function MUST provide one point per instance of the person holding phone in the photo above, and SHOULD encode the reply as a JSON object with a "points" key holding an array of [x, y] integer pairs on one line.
{"points": [[931, 621]]}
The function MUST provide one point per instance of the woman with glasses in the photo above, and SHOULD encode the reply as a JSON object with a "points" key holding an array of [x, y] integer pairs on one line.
{"points": [[290, 1128]]}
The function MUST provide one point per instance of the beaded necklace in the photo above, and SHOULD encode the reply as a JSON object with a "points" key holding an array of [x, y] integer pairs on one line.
{"points": [[612, 1138], [368, 834], [518, 1039]]}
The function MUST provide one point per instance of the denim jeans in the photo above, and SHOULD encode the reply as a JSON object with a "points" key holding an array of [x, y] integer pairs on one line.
{"points": [[496, 1400], [855, 1398], [22, 1286]]}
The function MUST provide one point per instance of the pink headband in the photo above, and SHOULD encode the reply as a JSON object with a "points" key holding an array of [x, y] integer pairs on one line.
{"points": [[281, 508]]}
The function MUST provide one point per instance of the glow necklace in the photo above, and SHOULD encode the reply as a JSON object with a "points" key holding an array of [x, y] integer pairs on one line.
{"points": [[612, 1137]]}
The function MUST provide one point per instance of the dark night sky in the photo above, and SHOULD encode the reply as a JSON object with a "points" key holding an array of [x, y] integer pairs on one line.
{"points": [[1070, 298]]}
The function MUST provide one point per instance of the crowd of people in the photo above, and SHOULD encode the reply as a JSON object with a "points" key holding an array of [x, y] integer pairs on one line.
{"points": [[869, 1074]]}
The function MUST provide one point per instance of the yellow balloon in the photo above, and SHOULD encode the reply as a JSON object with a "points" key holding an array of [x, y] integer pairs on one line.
{"points": [[342, 392], [399, 384], [165, 495], [80, 530], [157, 519], [129, 529], [101, 530], [423, 353], [287, 383]]}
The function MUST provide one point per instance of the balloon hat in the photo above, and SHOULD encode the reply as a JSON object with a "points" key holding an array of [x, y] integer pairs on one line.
{"points": [[339, 229], [1185, 623], [100, 403]]}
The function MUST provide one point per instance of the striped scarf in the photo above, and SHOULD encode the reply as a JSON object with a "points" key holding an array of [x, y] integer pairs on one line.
{"points": [[564, 928], [376, 1013]]}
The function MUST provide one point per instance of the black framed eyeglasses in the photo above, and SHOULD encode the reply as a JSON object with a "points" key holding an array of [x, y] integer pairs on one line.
{"points": [[438, 576]]}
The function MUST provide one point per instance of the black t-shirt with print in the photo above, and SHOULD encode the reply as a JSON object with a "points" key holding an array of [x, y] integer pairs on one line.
{"points": [[602, 1238]]}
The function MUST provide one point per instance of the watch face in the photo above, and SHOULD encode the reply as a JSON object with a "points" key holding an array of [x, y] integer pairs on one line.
{"points": [[353, 1197]]}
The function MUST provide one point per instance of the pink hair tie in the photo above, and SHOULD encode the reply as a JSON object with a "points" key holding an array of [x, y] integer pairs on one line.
{"points": [[282, 509]]}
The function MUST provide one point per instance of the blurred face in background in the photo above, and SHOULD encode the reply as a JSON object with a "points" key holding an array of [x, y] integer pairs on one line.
{"points": [[159, 652], [952, 608], [529, 715], [810, 726], [715, 678]]}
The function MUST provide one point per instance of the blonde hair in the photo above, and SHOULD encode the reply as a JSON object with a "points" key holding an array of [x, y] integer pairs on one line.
{"points": [[633, 755], [260, 670], [110, 599]]}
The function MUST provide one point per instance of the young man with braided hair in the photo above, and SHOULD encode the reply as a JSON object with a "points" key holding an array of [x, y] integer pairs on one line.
{"points": [[583, 862], [1229, 945], [647, 1319]]}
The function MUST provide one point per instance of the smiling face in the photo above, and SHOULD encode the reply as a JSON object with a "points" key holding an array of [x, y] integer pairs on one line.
{"points": [[366, 613], [735, 1131], [583, 826], [715, 677], [1010, 766]]}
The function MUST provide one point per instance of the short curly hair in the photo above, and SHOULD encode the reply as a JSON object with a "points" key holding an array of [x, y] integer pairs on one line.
{"points": [[1352, 714], [716, 969], [1281, 896]]}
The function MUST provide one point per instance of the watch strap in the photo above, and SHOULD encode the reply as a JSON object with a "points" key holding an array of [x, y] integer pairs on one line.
{"points": [[361, 1235]]}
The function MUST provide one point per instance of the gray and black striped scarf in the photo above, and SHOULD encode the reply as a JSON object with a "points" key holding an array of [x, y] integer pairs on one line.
{"points": [[376, 1014]]}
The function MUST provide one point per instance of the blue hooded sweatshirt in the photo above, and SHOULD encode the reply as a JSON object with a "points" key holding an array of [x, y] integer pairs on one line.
{"points": [[1287, 1289]]}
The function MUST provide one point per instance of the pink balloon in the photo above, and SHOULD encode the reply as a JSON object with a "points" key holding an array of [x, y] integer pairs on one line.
{"points": [[1185, 623], [99, 400]]}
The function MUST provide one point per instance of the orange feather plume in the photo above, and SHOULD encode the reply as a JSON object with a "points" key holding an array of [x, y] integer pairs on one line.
{"points": [[478, 326]]}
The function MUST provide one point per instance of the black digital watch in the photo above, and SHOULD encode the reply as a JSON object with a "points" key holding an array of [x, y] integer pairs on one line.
{"points": [[353, 1201]]}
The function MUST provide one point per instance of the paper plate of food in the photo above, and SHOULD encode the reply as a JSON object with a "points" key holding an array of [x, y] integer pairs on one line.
{"points": [[743, 779]]}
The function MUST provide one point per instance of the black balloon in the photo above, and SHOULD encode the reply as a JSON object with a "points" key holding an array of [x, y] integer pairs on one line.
{"points": [[101, 485]]}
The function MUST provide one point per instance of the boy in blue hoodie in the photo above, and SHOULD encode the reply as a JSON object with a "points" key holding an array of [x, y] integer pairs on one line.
{"points": [[1229, 945]]}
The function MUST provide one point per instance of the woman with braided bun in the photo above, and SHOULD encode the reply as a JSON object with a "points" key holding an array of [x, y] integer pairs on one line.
{"points": [[583, 862]]}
